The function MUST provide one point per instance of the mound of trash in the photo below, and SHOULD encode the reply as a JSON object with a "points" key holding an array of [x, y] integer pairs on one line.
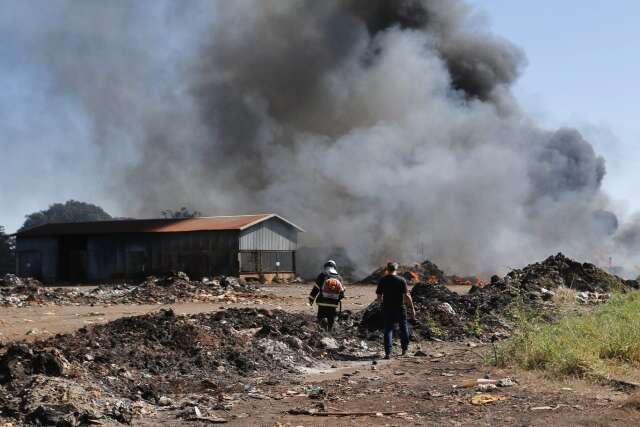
{"points": [[135, 365], [426, 271], [167, 290], [11, 280], [560, 271], [487, 311]]}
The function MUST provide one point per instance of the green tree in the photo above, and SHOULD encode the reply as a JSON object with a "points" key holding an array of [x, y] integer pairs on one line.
{"points": [[70, 211], [184, 212], [7, 252]]}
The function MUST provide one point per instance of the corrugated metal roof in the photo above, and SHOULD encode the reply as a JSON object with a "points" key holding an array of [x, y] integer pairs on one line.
{"points": [[172, 225]]}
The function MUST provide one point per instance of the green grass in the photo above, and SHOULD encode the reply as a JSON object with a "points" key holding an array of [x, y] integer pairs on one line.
{"points": [[595, 343]]}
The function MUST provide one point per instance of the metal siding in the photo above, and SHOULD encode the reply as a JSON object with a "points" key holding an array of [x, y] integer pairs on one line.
{"points": [[196, 253], [271, 235], [48, 249]]}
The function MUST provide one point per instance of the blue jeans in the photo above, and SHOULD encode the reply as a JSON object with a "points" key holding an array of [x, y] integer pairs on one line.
{"points": [[390, 320]]}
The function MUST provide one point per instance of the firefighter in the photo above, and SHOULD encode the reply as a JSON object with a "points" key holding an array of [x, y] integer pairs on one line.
{"points": [[327, 293], [393, 294]]}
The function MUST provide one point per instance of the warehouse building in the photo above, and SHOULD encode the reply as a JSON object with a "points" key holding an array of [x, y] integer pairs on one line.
{"points": [[112, 251]]}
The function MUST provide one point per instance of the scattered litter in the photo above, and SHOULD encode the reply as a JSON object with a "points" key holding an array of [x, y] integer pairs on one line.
{"points": [[506, 382], [486, 387], [484, 399]]}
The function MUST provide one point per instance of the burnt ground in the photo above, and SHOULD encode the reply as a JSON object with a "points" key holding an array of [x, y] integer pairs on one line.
{"points": [[149, 370], [275, 367]]}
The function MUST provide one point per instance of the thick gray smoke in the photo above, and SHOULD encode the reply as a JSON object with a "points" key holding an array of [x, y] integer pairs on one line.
{"points": [[381, 126]]}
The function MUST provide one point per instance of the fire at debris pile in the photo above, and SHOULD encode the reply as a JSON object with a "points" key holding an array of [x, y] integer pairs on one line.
{"points": [[425, 271], [321, 94]]}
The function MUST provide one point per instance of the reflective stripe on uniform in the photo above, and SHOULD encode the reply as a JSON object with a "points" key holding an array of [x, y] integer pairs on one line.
{"points": [[324, 304]]}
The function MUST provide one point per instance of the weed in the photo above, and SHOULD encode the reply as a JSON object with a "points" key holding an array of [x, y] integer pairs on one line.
{"points": [[580, 345]]}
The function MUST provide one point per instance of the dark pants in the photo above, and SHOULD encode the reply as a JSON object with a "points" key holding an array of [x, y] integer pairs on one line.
{"points": [[328, 313], [390, 320]]}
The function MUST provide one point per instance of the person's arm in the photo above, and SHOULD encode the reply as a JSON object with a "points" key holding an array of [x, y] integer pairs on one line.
{"points": [[379, 292], [315, 291], [409, 302]]}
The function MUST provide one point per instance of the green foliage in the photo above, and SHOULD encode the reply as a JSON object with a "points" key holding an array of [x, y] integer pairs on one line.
{"points": [[475, 326], [434, 328], [581, 344], [184, 212], [71, 211], [7, 253]]}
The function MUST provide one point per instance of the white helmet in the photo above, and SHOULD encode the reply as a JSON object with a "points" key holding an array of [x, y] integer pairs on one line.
{"points": [[331, 267]]}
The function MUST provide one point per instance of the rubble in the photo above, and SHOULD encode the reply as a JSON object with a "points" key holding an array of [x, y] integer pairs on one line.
{"points": [[419, 272], [11, 280], [153, 290], [488, 310], [560, 271], [139, 365]]}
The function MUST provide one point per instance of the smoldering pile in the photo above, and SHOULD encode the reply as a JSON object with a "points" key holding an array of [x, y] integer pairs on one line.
{"points": [[492, 310], [132, 366], [167, 290], [425, 271]]}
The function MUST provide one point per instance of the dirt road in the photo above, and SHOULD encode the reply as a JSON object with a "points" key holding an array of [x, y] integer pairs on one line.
{"points": [[423, 391]]}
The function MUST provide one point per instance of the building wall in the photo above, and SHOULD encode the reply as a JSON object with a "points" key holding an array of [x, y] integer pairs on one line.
{"points": [[46, 247], [271, 235], [134, 256], [130, 256], [268, 247]]}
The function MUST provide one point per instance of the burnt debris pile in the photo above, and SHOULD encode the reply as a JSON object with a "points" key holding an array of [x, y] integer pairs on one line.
{"points": [[491, 309], [560, 271], [132, 366], [425, 271], [167, 290]]}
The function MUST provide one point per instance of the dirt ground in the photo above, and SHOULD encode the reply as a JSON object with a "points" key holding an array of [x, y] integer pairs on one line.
{"points": [[36, 322], [422, 391], [41, 321], [419, 390]]}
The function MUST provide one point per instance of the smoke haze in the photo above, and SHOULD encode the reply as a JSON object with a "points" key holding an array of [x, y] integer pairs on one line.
{"points": [[380, 126]]}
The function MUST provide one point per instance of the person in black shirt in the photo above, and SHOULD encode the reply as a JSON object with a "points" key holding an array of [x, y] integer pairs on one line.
{"points": [[393, 294], [327, 294]]}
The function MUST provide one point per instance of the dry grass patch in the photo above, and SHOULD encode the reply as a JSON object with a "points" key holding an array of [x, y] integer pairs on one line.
{"points": [[598, 343]]}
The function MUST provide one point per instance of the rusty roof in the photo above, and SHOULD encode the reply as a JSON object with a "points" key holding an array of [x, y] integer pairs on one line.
{"points": [[166, 225]]}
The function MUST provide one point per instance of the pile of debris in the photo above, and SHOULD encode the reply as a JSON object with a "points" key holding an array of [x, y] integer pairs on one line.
{"points": [[133, 366], [176, 288], [560, 271], [172, 289], [488, 310], [11, 280], [426, 272]]}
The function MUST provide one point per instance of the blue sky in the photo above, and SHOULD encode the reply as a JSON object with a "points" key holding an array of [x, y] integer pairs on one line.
{"points": [[583, 68]]}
